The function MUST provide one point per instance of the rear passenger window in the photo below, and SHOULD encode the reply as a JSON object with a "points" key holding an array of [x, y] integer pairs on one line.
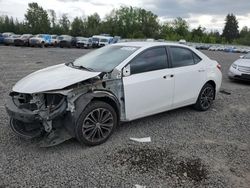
{"points": [[149, 60], [197, 59], [183, 57]]}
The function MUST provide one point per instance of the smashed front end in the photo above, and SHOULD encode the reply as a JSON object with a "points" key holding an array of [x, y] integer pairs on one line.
{"points": [[38, 115]]}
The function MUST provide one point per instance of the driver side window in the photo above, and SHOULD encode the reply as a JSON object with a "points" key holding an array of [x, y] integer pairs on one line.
{"points": [[149, 60]]}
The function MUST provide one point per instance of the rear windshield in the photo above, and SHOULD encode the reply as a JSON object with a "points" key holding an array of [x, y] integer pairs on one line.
{"points": [[105, 59]]}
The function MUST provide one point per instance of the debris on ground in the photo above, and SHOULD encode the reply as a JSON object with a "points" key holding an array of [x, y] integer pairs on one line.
{"points": [[139, 186], [145, 139], [225, 92]]}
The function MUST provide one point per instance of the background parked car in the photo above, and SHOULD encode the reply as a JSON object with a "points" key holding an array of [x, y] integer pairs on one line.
{"points": [[117, 38], [23, 40], [84, 43], [41, 40], [10, 40], [7, 34], [54, 40], [149, 81], [240, 69], [105, 41], [95, 41], [66, 41], [1, 38]]}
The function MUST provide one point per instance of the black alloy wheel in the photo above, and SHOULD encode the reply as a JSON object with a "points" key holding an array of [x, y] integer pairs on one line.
{"points": [[96, 123], [205, 98]]}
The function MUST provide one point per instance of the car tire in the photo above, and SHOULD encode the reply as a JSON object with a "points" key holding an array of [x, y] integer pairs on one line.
{"points": [[96, 123], [205, 98], [42, 45], [18, 128]]}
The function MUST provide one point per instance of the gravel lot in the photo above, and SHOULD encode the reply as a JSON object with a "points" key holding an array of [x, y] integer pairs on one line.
{"points": [[188, 148]]}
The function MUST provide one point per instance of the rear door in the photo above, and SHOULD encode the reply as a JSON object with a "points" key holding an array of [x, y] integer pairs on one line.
{"points": [[149, 87], [189, 73]]}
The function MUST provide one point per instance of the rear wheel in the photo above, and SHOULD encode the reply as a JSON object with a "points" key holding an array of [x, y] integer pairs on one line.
{"points": [[96, 123], [205, 98]]}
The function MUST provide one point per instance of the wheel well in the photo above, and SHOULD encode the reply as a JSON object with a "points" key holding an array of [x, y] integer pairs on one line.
{"points": [[214, 86], [110, 102]]}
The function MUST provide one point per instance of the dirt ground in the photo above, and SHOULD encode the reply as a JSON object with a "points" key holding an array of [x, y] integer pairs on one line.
{"points": [[188, 148]]}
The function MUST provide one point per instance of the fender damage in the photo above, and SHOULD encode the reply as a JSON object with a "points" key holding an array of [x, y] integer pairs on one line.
{"points": [[52, 115]]}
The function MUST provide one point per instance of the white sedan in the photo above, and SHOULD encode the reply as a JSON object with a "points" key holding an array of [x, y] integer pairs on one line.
{"points": [[240, 69], [87, 98]]}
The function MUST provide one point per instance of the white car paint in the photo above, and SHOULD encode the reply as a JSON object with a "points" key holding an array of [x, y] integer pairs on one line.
{"points": [[145, 93], [148, 93], [104, 40], [52, 78], [188, 83]]}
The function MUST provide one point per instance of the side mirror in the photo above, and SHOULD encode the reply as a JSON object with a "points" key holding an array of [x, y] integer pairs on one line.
{"points": [[126, 71], [241, 56]]}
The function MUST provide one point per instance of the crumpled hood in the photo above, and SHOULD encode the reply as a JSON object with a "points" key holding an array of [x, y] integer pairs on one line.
{"points": [[52, 78], [243, 62]]}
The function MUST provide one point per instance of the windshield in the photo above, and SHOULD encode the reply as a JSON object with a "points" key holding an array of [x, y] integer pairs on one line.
{"points": [[15, 36], [39, 36], [80, 38], [105, 59], [95, 39], [64, 37], [54, 36], [6, 34], [104, 40], [25, 36], [247, 56]]}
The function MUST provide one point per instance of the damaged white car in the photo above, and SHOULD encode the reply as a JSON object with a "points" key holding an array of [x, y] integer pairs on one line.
{"points": [[87, 98]]}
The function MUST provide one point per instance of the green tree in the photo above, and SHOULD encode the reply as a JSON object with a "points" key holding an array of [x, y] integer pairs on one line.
{"points": [[198, 34], [180, 27], [77, 27], [93, 24], [167, 31], [244, 31], [230, 31], [37, 19], [244, 36], [64, 24], [52, 17], [130, 22]]}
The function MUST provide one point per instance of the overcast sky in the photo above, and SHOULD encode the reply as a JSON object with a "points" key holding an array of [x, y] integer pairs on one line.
{"points": [[207, 13]]}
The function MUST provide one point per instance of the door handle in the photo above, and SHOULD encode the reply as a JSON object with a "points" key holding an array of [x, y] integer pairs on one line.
{"points": [[166, 76], [201, 70]]}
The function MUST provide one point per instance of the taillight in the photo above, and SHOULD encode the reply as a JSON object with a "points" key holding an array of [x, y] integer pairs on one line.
{"points": [[219, 66]]}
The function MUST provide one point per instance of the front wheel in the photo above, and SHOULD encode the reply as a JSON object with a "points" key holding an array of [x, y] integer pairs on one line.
{"points": [[96, 123], [205, 98]]}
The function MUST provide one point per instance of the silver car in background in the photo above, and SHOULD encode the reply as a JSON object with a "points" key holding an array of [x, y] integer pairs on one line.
{"points": [[240, 69], [10, 40]]}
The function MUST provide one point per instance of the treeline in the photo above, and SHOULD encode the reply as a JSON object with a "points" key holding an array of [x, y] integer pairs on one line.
{"points": [[127, 22]]}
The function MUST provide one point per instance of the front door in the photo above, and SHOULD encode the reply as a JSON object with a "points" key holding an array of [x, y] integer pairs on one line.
{"points": [[149, 88]]}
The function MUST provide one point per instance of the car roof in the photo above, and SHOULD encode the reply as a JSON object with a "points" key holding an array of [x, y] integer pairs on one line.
{"points": [[148, 44]]}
